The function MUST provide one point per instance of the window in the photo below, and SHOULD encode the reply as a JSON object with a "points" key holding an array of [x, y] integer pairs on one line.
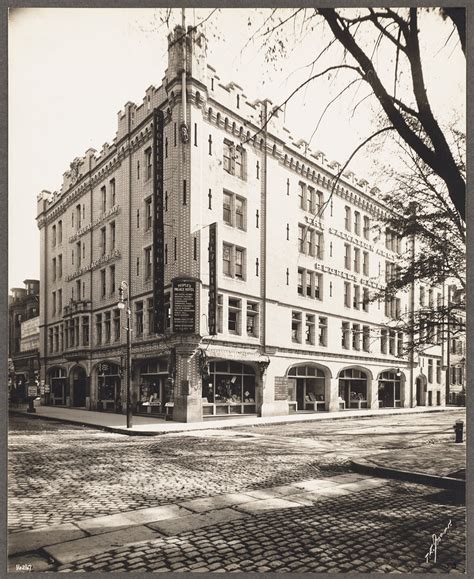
{"points": [[60, 231], [356, 297], [147, 262], [438, 371], [347, 256], [356, 222], [78, 289], [296, 327], [148, 214], [356, 336], [138, 170], [54, 303], [252, 319], [150, 316], [301, 197], [148, 163], [390, 272], [103, 241], [112, 235], [112, 193], [400, 347], [365, 263], [234, 315], [139, 319], [85, 330], [366, 230], [112, 279], [103, 194], [60, 301], [78, 253], [391, 342], [107, 327], [102, 282], [309, 334], [116, 325], [347, 294], [346, 332], [310, 242], [210, 144], [98, 328], [54, 269], [430, 370], [383, 341], [53, 235], [233, 210], [356, 259], [227, 208], [392, 240], [233, 261], [366, 338], [234, 159], [323, 331], [347, 218], [78, 216], [301, 274], [365, 299]]}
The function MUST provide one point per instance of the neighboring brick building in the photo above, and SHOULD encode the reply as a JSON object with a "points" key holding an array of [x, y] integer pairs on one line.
{"points": [[23, 337], [284, 277]]}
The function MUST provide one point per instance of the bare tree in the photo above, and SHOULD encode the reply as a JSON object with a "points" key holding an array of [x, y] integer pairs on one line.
{"points": [[409, 113]]}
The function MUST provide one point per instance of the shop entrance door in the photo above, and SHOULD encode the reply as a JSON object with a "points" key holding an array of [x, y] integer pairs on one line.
{"points": [[419, 392], [79, 387]]}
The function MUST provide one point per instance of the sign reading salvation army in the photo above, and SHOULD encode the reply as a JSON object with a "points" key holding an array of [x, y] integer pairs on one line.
{"points": [[184, 306]]}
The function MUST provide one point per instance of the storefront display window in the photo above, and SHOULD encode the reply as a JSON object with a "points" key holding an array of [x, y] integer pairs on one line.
{"points": [[353, 388], [389, 391], [59, 386], [108, 386], [153, 376], [229, 389], [307, 388]]}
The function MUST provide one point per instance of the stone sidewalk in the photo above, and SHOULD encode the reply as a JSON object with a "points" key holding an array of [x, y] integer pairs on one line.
{"points": [[149, 426], [257, 530]]}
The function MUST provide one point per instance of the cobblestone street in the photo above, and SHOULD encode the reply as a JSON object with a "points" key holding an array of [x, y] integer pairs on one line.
{"points": [[61, 474]]}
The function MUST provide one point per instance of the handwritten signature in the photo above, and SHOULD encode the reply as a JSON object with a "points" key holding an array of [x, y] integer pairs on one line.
{"points": [[436, 540]]}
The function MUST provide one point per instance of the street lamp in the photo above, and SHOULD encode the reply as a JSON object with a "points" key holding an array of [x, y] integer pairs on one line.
{"points": [[124, 304]]}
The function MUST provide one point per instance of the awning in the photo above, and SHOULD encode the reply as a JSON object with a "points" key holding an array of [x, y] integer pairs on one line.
{"points": [[237, 354]]}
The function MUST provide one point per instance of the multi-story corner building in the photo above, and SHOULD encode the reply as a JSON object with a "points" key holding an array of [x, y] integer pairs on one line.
{"points": [[250, 279], [23, 334]]}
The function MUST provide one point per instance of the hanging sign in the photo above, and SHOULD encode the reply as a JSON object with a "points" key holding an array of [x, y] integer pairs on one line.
{"points": [[212, 312]]}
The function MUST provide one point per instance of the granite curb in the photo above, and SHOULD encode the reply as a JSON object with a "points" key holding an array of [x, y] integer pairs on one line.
{"points": [[363, 466], [258, 421]]}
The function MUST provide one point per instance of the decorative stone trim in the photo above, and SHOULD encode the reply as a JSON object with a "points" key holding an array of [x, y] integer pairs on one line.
{"points": [[115, 210], [94, 265]]}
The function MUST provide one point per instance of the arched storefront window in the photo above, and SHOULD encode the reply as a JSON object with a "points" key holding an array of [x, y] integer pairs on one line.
{"points": [[229, 389], [59, 386], [390, 390], [153, 376], [306, 386], [108, 386], [353, 388]]}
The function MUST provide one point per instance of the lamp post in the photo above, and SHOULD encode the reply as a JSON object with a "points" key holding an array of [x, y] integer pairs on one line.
{"points": [[124, 304]]}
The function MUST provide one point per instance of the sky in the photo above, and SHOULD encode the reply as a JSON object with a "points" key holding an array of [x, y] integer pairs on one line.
{"points": [[72, 70]]}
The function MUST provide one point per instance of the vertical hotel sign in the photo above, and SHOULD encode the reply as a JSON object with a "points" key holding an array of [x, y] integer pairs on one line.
{"points": [[158, 225], [212, 312]]}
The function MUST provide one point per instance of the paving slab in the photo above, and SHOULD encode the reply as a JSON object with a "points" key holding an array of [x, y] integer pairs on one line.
{"points": [[286, 490], [108, 523], [267, 505], [216, 502], [314, 484], [269, 493], [197, 521], [32, 540], [364, 484], [90, 546]]}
